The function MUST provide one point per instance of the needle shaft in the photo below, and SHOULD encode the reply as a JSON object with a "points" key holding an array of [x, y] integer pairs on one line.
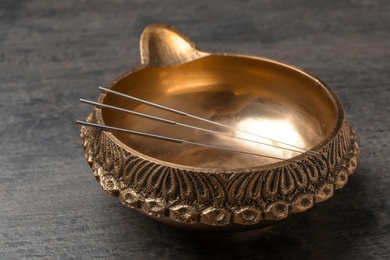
{"points": [[172, 122], [206, 120]]}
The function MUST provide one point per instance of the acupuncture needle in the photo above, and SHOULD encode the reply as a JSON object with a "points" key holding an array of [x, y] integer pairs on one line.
{"points": [[200, 118], [172, 122]]}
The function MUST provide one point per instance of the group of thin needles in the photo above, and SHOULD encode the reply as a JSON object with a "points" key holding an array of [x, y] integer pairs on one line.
{"points": [[289, 147]]}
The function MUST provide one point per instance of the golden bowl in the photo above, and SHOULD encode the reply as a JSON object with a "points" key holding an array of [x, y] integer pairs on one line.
{"points": [[212, 189]]}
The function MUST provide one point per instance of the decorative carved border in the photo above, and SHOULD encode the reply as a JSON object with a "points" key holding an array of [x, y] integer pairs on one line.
{"points": [[219, 199]]}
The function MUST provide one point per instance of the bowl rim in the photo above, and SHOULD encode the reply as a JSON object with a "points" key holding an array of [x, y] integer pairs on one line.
{"points": [[340, 117]]}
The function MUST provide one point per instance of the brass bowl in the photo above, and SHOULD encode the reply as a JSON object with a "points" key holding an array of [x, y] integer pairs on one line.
{"points": [[202, 188]]}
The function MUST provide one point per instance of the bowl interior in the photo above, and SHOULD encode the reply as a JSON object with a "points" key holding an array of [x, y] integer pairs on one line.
{"points": [[266, 98]]}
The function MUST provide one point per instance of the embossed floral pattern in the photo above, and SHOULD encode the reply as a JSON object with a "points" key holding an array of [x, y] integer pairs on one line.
{"points": [[219, 198]]}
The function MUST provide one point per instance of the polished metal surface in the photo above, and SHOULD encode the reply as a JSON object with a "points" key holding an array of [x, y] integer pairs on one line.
{"points": [[199, 187], [265, 98]]}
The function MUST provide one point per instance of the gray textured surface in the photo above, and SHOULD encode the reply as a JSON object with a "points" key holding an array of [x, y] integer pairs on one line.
{"points": [[54, 52]]}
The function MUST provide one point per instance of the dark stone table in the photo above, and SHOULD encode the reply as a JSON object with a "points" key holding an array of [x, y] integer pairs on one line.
{"points": [[54, 52]]}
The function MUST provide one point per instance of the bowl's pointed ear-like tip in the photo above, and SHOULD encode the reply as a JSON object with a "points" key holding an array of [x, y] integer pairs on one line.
{"points": [[163, 46]]}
